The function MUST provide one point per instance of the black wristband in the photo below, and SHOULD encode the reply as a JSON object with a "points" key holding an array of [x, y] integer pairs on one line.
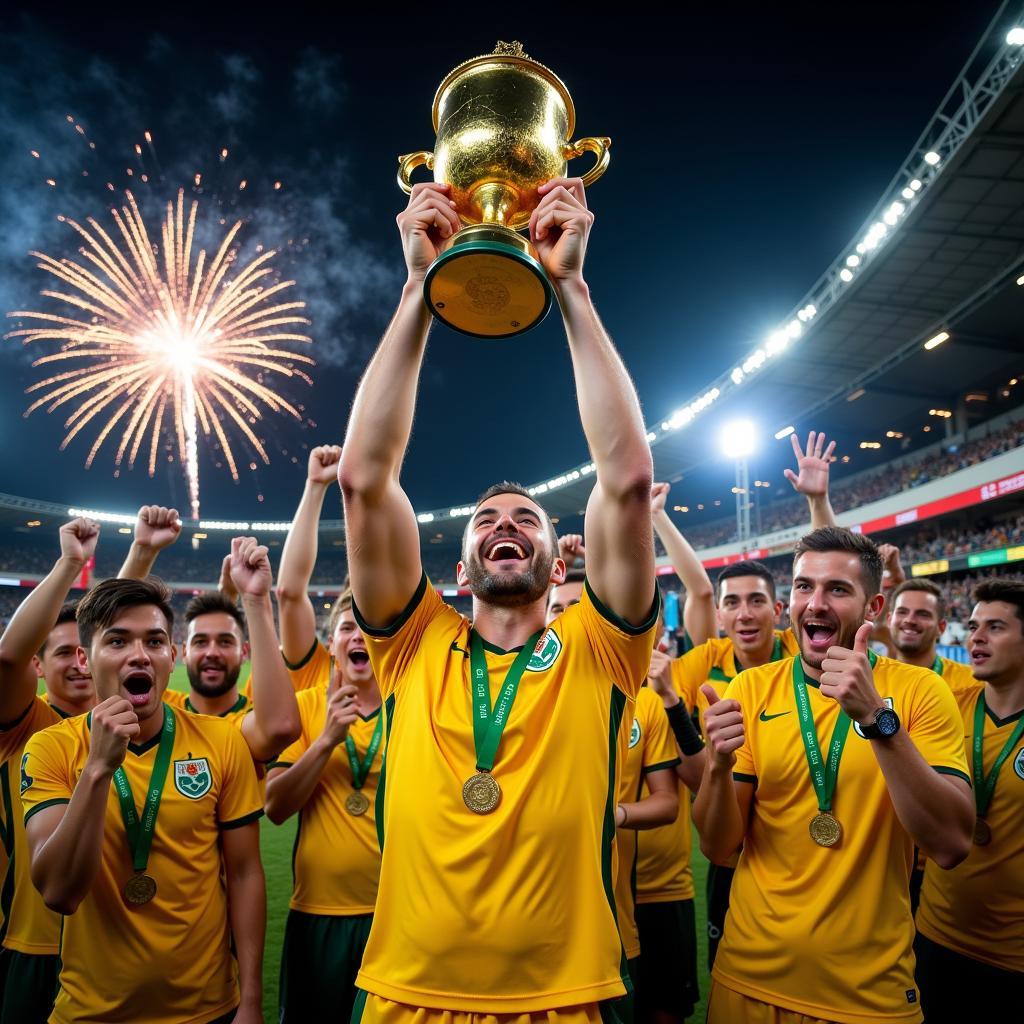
{"points": [[685, 731]]}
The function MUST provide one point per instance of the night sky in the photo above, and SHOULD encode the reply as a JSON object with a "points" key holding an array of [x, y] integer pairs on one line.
{"points": [[748, 147]]}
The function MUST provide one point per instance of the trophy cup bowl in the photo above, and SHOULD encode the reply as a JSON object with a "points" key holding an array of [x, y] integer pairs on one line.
{"points": [[504, 124]]}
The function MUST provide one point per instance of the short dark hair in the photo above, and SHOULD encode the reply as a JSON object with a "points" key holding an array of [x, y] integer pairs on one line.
{"points": [[1004, 588], [836, 538], [923, 587], [66, 614], [746, 568], [100, 607], [210, 602], [510, 487]]}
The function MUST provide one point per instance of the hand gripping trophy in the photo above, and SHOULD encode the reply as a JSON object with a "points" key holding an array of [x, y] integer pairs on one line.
{"points": [[503, 125]]}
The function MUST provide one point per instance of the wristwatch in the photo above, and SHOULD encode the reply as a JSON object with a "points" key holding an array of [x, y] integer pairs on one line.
{"points": [[887, 723]]}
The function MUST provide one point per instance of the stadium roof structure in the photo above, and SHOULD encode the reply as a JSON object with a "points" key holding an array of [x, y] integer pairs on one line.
{"points": [[942, 253]]}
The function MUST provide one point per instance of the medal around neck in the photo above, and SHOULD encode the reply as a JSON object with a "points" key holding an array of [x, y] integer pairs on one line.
{"points": [[982, 832], [825, 829], [356, 804], [504, 124], [481, 793], [139, 889]]}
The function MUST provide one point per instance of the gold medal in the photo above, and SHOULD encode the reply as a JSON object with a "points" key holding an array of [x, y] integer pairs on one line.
{"points": [[356, 804], [481, 793], [982, 832], [825, 830], [139, 889]]}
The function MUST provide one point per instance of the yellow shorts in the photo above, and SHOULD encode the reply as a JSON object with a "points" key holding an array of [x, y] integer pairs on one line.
{"points": [[728, 1007], [371, 1009]]}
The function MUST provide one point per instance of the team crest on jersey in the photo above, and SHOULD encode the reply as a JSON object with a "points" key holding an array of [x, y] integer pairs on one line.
{"points": [[1018, 763], [546, 653], [887, 701], [192, 778], [27, 780], [634, 734]]}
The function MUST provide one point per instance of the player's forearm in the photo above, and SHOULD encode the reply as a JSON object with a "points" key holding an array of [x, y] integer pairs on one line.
{"points": [[690, 770], [247, 911], [275, 714], [716, 813], [139, 562], [653, 811], [300, 547], [609, 408], [288, 791], [64, 867], [381, 420], [822, 513], [36, 615], [936, 811]]}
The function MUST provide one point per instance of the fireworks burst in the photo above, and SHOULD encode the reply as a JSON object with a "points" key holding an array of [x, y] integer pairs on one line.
{"points": [[159, 332]]}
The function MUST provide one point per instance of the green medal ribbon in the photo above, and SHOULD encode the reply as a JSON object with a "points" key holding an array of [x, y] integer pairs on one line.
{"points": [[140, 831], [937, 667], [487, 725], [360, 769], [823, 775], [984, 788]]}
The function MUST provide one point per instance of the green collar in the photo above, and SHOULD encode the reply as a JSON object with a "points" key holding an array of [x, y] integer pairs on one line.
{"points": [[237, 706]]}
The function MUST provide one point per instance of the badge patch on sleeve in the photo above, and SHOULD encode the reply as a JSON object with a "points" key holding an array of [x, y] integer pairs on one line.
{"points": [[192, 778], [634, 734], [546, 653], [1018, 763], [26, 779]]}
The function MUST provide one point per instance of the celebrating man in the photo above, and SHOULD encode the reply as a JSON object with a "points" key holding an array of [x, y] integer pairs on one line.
{"points": [[502, 760], [142, 829], [826, 768]]}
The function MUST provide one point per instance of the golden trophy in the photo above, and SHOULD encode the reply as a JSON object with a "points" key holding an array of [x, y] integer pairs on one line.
{"points": [[504, 125]]}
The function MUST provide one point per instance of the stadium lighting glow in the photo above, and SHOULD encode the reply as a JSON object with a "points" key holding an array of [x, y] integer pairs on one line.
{"points": [[1020, 280], [853, 260], [871, 444], [425, 517], [907, 193], [854, 395], [916, 185], [1015, 37], [124, 529], [737, 375], [102, 517], [943, 414], [777, 342], [270, 527], [894, 434], [932, 158], [222, 524], [936, 341], [846, 275], [738, 439], [793, 329], [784, 432]]}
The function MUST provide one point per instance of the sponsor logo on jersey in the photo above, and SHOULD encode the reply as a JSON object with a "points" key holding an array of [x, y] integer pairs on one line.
{"points": [[546, 653], [887, 701], [192, 778], [634, 734]]}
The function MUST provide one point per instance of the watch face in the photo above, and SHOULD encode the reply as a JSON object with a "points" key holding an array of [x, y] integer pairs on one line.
{"points": [[888, 722]]}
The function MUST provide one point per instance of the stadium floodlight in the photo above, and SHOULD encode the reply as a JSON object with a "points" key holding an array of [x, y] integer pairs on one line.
{"points": [[270, 527], [1015, 37], [785, 432], [936, 341], [737, 375], [1020, 280], [907, 193], [916, 185], [220, 524], [846, 275], [102, 517], [853, 260], [931, 158], [738, 439], [425, 517], [854, 395]]}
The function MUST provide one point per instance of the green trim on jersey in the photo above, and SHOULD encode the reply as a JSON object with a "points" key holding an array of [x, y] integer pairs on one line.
{"points": [[378, 803], [620, 623], [942, 770], [237, 706], [403, 618], [616, 710], [294, 666], [44, 805]]}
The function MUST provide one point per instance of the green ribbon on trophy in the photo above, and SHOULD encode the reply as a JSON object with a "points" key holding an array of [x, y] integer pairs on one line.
{"points": [[481, 792], [356, 802], [141, 887], [985, 785], [824, 828]]}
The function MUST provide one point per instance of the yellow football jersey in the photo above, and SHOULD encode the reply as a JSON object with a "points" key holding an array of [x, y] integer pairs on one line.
{"points": [[183, 702], [827, 932], [336, 863], [29, 926], [977, 908], [168, 961], [651, 746], [956, 674], [474, 910], [314, 670], [663, 872]]}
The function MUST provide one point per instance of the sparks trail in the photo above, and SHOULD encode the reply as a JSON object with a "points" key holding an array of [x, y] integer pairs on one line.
{"points": [[156, 332]]}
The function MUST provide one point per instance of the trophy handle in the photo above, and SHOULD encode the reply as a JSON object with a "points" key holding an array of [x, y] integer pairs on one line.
{"points": [[407, 164], [599, 146]]}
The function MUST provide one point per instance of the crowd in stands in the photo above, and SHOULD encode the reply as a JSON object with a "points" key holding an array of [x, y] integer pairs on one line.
{"points": [[944, 542]]}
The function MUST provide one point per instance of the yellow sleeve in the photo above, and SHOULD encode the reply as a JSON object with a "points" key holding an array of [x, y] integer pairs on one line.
{"points": [[291, 754], [176, 699], [660, 745], [46, 777], [239, 800], [744, 770], [624, 651], [934, 723], [689, 672], [313, 670], [393, 648]]}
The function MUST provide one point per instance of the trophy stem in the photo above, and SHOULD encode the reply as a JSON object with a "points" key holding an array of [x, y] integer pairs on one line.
{"points": [[495, 201]]}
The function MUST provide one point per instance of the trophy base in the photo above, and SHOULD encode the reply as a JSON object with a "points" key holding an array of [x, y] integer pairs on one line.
{"points": [[487, 284]]}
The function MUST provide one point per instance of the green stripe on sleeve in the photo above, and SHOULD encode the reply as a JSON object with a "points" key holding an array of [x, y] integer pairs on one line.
{"points": [[620, 623], [943, 770], [225, 826], [44, 805], [661, 767], [403, 618]]}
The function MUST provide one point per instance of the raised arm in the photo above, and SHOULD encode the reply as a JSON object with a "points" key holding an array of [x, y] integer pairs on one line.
{"points": [[619, 542], [28, 629], [699, 616], [298, 620], [811, 478], [382, 536], [156, 528], [274, 722]]}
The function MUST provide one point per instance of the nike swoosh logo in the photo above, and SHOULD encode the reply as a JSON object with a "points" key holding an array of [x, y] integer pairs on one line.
{"points": [[765, 717]]}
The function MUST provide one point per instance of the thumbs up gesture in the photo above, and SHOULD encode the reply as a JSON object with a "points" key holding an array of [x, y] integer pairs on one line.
{"points": [[723, 727], [846, 676]]}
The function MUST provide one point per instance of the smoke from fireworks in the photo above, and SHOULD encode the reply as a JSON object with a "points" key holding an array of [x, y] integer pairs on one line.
{"points": [[154, 331]]}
